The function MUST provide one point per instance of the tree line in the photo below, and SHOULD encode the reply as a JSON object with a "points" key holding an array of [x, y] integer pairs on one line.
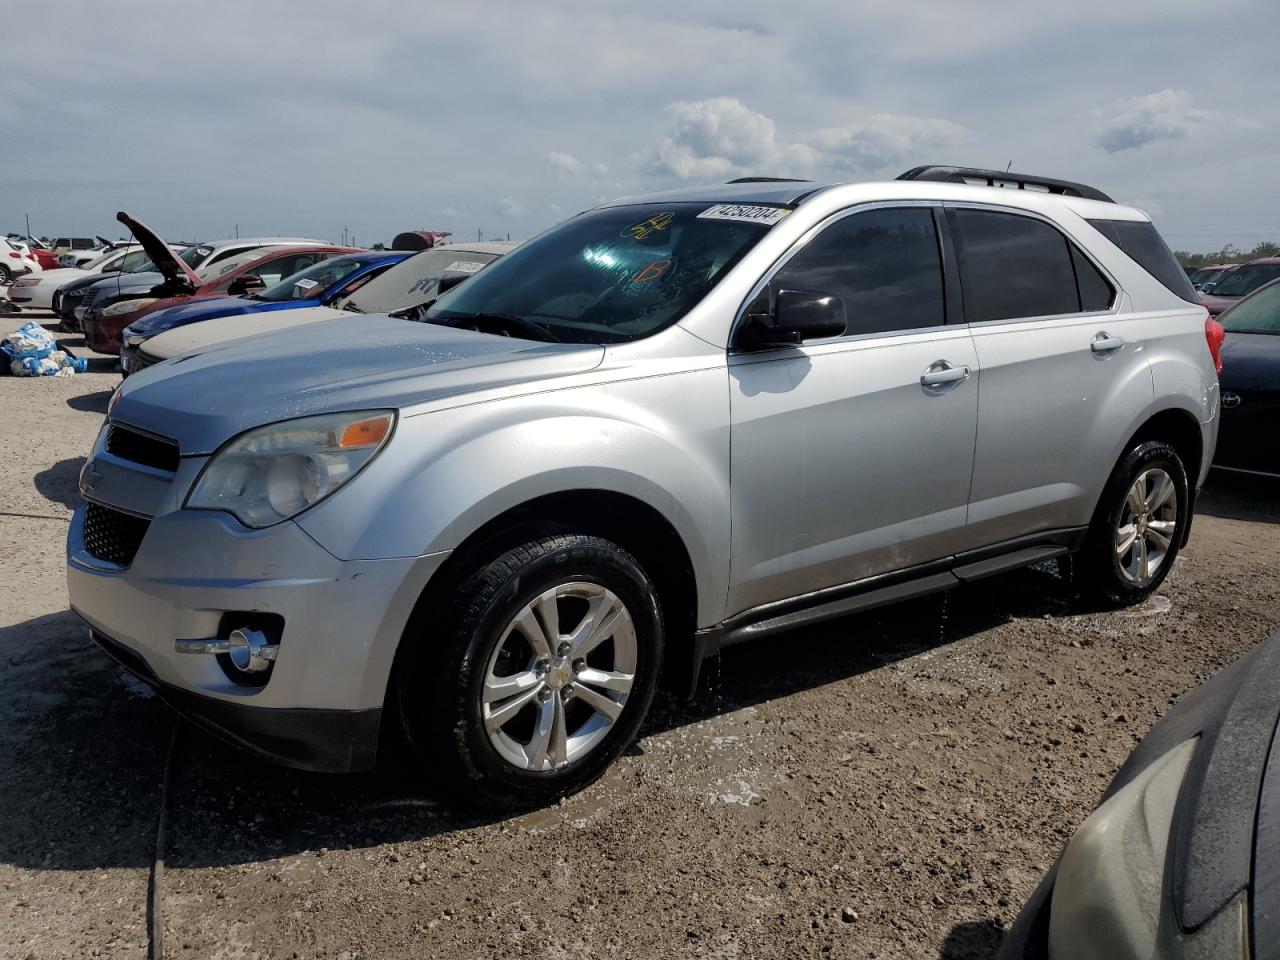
{"points": [[1228, 254]]}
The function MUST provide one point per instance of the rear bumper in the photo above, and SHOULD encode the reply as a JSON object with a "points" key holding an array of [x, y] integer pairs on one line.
{"points": [[328, 741]]}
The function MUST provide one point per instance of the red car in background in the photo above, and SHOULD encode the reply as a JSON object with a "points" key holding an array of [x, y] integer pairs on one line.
{"points": [[1243, 280], [47, 259], [102, 329]]}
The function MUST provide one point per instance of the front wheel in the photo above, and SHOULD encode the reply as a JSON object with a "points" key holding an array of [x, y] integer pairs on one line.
{"points": [[539, 678], [1138, 526]]}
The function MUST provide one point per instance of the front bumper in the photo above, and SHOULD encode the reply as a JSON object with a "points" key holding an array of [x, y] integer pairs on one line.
{"points": [[328, 741], [196, 571]]}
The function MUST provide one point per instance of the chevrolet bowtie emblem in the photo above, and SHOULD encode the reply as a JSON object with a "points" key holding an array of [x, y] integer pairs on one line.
{"points": [[1230, 400]]}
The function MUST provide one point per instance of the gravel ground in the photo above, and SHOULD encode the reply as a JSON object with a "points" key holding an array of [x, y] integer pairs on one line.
{"points": [[891, 785]]}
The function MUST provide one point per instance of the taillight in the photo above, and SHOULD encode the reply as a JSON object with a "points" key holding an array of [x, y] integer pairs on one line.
{"points": [[1215, 335], [16, 256]]}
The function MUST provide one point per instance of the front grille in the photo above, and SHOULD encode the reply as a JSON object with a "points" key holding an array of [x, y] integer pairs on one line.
{"points": [[140, 448], [142, 360], [111, 535], [57, 300]]}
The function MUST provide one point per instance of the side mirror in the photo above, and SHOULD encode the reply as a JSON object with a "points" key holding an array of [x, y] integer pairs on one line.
{"points": [[1207, 287], [246, 284], [791, 317], [448, 283]]}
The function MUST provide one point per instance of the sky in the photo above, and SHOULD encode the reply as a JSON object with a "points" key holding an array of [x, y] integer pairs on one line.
{"points": [[308, 118]]}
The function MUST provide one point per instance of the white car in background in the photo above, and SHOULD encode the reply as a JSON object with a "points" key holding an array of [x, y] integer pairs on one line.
{"points": [[16, 261], [35, 292]]}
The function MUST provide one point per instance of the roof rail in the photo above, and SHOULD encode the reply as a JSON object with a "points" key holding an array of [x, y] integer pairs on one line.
{"points": [[1003, 178], [768, 180]]}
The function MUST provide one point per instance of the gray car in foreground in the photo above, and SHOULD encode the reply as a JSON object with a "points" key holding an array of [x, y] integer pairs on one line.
{"points": [[665, 425], [1181, 859]]}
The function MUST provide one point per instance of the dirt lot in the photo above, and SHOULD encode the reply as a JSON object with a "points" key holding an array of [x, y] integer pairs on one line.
{"points": [[891, 785]]}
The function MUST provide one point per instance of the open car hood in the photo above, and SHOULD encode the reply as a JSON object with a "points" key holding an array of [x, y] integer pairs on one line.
{"points": [[164, 259]]}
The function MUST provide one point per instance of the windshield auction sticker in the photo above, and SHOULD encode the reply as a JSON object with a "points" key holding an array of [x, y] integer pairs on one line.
{"points": [[463, 266], [644, 229], [744, 212]]}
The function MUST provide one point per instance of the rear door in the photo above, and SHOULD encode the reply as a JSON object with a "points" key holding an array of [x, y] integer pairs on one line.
{"points": [[851, 456], [1063, 372]]}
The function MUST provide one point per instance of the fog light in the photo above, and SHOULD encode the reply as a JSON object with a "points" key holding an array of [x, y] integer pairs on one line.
{"points": [[249, 651]]}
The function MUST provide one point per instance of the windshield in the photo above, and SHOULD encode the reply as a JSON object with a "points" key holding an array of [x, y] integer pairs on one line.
{"points": [[195, 255], [1259, 313], [617, 274], [314, 280], [1246, 279], [414, 280], [214, 269]]}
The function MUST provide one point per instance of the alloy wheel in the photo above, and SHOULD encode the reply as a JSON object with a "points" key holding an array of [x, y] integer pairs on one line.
{"points": [[1147, 524], [560, 676]]}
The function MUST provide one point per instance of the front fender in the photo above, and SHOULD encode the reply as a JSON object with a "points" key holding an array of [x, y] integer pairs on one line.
{"points": [[663, 440]]}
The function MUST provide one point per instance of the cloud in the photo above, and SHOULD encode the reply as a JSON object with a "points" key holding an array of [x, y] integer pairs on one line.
{"points": [[571, 166], [721, 136], [511, 207], [883, 140], [1134, 122]]}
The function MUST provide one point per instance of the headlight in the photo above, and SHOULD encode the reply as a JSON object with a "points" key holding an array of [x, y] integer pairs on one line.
{"points": [[127, 306], [24, 283], [275, 472]]}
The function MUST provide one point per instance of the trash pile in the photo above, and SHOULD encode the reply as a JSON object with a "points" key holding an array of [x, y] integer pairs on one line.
{"points": [[32, 352]]}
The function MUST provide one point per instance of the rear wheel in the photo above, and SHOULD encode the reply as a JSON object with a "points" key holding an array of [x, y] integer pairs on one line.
{"points": [[6, 277], [1138, 526], [540, 677]]}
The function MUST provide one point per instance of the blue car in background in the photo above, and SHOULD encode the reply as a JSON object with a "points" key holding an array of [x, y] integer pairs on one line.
{"points": [[317, 285]]}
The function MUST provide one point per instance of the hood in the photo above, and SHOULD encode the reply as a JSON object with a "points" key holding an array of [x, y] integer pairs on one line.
{"points": [[197, 336], [193, 311], [165, 260], [115, 286], [1251, 362], [350, 363]]}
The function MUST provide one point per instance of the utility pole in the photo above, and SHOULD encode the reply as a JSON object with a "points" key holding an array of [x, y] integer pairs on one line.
{"points": [[237, 231], [28, 226], [479, 234]]}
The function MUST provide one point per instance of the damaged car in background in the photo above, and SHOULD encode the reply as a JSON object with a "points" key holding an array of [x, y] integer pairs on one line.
{"points": [[402, 290], [314, 285]]}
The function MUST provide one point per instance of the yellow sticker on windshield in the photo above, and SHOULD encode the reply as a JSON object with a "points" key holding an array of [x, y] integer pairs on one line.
{"points": [[644, 229]]}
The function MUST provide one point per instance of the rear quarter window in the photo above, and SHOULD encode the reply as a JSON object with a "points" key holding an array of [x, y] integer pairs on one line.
{"points": [[1144, 245], [1012, 266]]}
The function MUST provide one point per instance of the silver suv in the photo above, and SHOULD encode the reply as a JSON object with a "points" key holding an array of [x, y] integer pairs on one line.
{"points": [[665, 425]]}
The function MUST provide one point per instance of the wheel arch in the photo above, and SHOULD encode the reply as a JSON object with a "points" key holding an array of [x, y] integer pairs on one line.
{"points": [[636, 526], [1181, 430]]}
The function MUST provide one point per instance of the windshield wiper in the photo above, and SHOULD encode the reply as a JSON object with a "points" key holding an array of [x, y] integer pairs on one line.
{"points": [[533, 329], [351, 308]]}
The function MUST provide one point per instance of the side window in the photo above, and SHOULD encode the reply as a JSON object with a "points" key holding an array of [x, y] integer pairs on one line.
{"points": [[884, 264], [1012, 266], [1096, 292]]}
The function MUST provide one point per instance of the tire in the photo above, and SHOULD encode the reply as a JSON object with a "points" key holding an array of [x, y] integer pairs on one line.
{"points": [[1122, 534], [6, 276], [457, 655]]}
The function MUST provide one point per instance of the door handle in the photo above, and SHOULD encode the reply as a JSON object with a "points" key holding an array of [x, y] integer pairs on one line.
{"points": [[942, 374], [1105, 344]]}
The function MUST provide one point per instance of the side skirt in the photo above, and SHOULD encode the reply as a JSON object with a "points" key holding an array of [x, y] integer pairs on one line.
{"points": [[878, 591]]}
